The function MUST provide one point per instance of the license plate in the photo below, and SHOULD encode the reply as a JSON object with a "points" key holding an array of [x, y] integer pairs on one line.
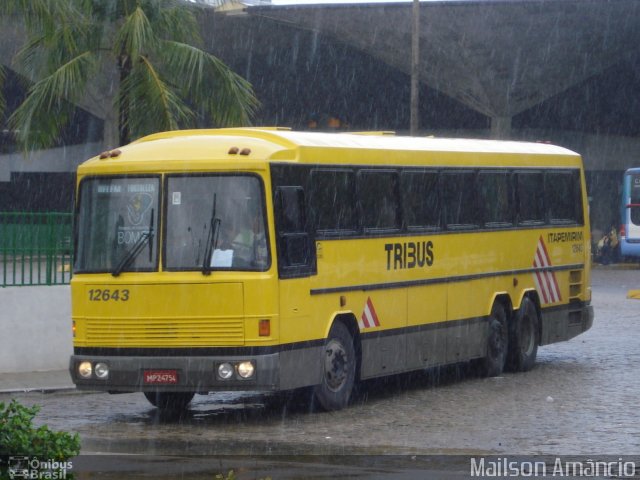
{"points": [[160, 377]]}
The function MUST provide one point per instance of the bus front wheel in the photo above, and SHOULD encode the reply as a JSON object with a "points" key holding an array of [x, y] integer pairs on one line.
{"points": [[497, 342], [173, 401], [338, 369], [524, 337]]}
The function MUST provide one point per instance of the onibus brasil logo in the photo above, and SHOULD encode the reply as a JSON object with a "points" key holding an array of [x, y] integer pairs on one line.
{"points": [[37, 469]]}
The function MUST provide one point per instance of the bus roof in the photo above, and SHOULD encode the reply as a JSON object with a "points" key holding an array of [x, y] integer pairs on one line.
{"points": [[251, 147], [370, 140]]}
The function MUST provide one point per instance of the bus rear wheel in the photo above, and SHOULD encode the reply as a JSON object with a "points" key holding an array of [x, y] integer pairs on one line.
{"points": [[170, 401], [497, 342], [524, 337], [338, 369]]}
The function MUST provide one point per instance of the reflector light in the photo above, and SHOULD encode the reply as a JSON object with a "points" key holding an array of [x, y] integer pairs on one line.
{"points": [[264, 328]]}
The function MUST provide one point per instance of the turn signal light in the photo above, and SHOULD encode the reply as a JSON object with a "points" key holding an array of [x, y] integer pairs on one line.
{"points": [[264, 328]]}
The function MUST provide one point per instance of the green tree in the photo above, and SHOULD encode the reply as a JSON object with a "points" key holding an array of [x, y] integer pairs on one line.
{"points": [[19, 437], [139, 59]]}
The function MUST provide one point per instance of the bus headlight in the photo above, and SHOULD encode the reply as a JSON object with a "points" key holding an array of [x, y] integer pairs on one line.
{"points": [[246, 370], [225, 371], [85, 369], [102, 371]]}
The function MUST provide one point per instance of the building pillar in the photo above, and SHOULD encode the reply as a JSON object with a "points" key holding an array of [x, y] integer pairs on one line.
{"points": [[501, 128]]}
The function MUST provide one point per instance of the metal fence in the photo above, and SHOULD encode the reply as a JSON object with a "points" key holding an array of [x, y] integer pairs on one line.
{"points": [[35, 248]]}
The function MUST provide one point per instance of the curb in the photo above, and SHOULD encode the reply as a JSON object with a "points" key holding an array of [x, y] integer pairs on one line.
{"points": [[42, 381]]}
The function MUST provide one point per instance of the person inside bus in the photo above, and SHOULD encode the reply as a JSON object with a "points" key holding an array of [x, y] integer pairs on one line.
{"points": [[248, 241]]}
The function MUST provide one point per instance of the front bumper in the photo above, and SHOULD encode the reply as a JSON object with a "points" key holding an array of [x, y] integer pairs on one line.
{"points": [[181, 374]]}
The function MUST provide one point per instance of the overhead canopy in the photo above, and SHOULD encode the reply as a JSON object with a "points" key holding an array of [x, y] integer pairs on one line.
{"points": [[499, 57]]}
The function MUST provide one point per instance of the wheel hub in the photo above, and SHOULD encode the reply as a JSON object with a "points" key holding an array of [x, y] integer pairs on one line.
{"points": [[335, 365]]}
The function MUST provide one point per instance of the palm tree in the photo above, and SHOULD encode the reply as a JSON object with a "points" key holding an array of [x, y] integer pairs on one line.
{"points": [[139, 59]]}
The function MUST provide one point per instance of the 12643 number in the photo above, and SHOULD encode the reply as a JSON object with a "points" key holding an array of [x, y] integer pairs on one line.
{"points": [[108, 295]]}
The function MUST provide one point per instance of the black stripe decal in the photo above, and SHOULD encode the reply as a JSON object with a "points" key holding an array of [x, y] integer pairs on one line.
{"points": [[434, 281]]}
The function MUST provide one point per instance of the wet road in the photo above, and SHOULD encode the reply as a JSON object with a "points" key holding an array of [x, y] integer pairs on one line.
{"points": [[581, 398]]}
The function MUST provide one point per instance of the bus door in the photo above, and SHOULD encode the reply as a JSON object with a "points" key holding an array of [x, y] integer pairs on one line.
{"points": [[296, 263], [632, 207]]}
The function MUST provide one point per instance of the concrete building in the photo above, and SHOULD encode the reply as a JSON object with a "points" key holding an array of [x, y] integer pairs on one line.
{"points": [[564, 71]]}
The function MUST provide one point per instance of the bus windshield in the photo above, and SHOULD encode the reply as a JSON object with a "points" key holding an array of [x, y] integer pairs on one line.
{"points": [[117, 223], [215, 222]]}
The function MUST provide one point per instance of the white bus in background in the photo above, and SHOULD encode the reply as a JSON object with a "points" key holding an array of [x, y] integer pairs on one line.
{"points": [[630, 209]]}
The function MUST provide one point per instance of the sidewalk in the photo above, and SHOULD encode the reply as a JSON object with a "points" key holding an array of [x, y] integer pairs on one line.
{"points": [[36, 381]]}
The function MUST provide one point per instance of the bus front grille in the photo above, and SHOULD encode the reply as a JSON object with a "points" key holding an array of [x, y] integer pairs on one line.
{"points": [[164, 332]]}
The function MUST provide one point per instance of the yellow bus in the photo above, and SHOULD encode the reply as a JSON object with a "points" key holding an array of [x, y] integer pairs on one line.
{"points": [[267, 260]]}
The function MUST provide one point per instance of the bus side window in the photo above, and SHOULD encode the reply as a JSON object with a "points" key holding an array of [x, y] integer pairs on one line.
{"points": [[333, 203], [461, 207], [378, 197], [496, 198], [295, 253], [530, 198], [562, 191], [420, 200]]}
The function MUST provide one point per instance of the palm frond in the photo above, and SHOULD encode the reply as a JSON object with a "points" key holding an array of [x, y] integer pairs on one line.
{"points": [[40, 15], [178, 22], [150, 103], [32, 57], [227, 98], [233, 102], [136, 36], [163, 77], [47, 108], [43, 54]]}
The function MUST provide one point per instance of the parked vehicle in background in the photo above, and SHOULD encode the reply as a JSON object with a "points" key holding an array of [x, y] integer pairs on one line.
{"points": [[630, 214]]}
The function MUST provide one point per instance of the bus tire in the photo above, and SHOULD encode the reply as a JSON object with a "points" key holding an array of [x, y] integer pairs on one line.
{"points": [[524, 337], [497, 342], [338, 369], [171, 401]]}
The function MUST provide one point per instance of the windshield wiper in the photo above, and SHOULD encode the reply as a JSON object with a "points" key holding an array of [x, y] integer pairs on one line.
{"points": [[131, 254], [212, 239]]}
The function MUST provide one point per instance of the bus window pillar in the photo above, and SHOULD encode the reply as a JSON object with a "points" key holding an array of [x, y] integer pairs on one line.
{"points": [[501, 127]]}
